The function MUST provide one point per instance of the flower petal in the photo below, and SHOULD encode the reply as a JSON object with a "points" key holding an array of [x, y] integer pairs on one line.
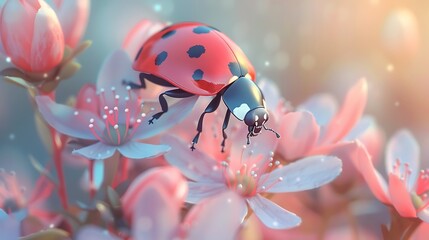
{"points": [[299, 132], [304, 174], [155, 216], [17, 25], [401, 198], [9, 228], [96, 151], [138, 36], [94, 233], [73, 16], [168, 178], [116, 69], [322, 106], [48, 40], [424, 214], [349, 114], [175, 114], [137, 150], [404, 147], [372, 177], [193, 164], [272, 215], [271, 92], [3, 214], [202, 190], [87, 99], [64, 119], [206, 221]]}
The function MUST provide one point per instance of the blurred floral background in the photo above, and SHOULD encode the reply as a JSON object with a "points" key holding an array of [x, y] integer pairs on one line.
{"points": [[304, 46]]}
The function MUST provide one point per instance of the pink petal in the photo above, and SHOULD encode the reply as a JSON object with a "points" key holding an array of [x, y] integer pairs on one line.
{"points": [[202, 190], [176, 113], [272, 215], [304, 174], [87, 99], [73, 16], [116, 69], [373, 178], [96, 151], [349, 114], [17, 26], [48, 40], [271, 93], [404, 147], [322, 106], [139, 34], [261, 147], [206, 221], [372, 137], [155, 216], [348, 153], [168, 177], [299, 132], [94, 233], [195, 165], [137, 150], [67, 120], [400, 196]]}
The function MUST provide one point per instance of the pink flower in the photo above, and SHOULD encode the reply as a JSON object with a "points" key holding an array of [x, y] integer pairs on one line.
{"points": [[317, 127], [118, 123], [31, 35], [154, 201], [406, 189], [251, 172], [73, 16], [317, 123]]}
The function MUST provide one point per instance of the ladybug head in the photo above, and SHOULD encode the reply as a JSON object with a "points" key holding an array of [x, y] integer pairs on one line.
{"points": [[255, 119]]}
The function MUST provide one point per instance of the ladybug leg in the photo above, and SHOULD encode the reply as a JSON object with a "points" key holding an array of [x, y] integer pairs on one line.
{"points": [[151, 78], [224, 126], [213, 105], [175, 93], [133, 85]]}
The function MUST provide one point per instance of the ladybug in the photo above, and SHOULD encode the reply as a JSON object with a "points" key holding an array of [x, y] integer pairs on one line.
{"points": [[198, 59]]}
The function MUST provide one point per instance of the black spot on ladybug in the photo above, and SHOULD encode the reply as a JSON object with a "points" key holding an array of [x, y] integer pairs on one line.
{"points": [[198, 74], [196, 51], [234, 68], [138, 53], [202, 29], [160, 58], [168, 34]]}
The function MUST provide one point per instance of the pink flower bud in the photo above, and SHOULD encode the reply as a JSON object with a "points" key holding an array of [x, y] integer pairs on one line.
{"points": [[73, 16], [166, 178], [31, 35]]}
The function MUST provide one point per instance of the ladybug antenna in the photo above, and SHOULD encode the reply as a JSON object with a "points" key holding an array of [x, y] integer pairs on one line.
{"points": [[271, 130]]}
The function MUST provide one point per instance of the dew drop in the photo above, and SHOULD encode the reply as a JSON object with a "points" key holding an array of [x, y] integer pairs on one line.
{"points": [[8, 59]]}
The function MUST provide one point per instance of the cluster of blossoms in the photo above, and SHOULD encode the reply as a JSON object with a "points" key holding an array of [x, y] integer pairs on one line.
{"points": [[168, 191]]}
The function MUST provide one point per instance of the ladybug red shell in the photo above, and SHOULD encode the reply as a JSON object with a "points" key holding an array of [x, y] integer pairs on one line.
{"points": [[194, 57], [199, 60]]}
